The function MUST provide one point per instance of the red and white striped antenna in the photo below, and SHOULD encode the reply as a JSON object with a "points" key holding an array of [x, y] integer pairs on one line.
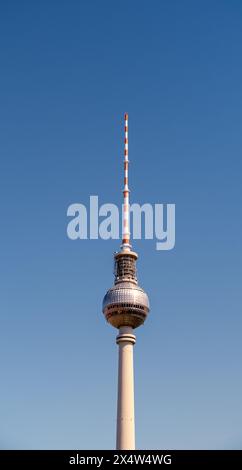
{"points": [[126, 210]]}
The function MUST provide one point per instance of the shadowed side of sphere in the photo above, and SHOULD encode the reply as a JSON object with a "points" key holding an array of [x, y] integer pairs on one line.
{"points": [[126, 304]]}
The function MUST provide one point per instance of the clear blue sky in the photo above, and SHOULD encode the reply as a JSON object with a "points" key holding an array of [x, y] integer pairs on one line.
{"points": [[69, 71]]}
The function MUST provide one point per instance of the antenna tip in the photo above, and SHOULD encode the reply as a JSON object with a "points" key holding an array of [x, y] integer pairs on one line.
{"points": [[126, 116]]}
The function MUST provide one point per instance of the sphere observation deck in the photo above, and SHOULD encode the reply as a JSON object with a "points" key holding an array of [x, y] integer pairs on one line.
{"points": [[125, 304]]}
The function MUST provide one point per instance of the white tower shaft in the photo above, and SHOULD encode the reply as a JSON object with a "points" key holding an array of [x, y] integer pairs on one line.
{"points": [[125, 412]]}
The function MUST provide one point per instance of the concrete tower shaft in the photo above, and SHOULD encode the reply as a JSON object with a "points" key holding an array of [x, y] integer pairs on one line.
{"points": [[125, 437]]}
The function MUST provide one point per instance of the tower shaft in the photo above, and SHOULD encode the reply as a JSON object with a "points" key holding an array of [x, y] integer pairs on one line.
{"points": [[125, 410]]}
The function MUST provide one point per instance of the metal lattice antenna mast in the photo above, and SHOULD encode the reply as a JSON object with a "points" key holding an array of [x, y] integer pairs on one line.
{"points": [[126, 210]]}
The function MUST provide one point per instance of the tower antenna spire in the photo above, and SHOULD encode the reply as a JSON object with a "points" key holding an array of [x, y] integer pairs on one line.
{"points": [[126, 208]]}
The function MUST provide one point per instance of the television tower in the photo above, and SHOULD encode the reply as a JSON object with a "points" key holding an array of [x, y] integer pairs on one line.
{"points": [[125, 307]]}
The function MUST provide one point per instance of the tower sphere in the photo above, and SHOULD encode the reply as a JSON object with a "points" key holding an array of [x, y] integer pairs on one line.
{"points": [[125, 304]]}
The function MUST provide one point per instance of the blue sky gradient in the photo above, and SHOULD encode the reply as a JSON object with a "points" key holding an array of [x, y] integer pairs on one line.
{"points": [[69, 71]]}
